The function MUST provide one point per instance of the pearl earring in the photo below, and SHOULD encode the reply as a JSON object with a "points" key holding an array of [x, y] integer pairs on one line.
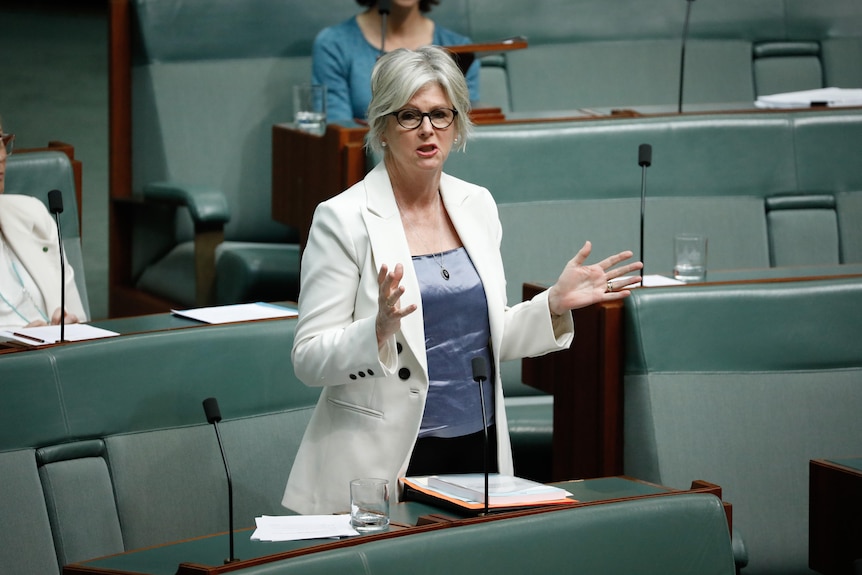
{"points": [[383, 144]]}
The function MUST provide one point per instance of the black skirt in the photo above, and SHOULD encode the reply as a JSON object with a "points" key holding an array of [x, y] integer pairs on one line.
{"points": [[444, 455]]}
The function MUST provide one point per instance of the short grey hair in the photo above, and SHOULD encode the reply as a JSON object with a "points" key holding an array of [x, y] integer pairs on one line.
{"points": [[399, 74]]}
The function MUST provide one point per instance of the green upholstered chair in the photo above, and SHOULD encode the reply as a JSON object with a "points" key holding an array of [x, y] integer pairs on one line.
{"points": [[745, 384], [803, 230], [35, 173], [196, 88], [104, 450], [786, 67]]}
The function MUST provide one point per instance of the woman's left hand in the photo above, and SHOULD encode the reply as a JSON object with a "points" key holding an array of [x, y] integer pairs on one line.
{"points": [[581, 285]]}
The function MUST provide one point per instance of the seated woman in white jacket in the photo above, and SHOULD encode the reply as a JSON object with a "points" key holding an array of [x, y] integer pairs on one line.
{"points": [[402, 287], [30, 260]]}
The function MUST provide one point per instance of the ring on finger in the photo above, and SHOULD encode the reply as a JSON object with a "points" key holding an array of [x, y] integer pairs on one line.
{"points": [[610, 286]]}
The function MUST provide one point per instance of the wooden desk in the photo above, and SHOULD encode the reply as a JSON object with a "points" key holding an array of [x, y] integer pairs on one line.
{"points": [[205, 555], [835, 515]]}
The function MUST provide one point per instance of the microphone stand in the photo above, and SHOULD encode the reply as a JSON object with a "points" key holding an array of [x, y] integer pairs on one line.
{"points": [[55, 201], [644, 161], [480, 374], [383, 7], [213, 414], [682, 52]]}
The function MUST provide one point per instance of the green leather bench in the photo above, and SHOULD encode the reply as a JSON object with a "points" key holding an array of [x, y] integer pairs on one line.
{"points": [[680, 534], [586, 54], [778, 189], [193, 106], [104, 446], [104, 449], [745, 384]]}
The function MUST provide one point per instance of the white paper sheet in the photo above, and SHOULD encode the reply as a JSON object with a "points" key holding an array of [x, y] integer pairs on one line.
{"points": [[237, 312], [297, 527], [831, 97], [48, 334]]}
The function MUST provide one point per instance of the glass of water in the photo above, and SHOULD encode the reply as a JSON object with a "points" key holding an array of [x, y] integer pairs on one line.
{"points": [[309, 105]]}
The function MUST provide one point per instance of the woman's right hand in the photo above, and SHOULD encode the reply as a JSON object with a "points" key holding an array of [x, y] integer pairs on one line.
{"points": [[389, 310]]}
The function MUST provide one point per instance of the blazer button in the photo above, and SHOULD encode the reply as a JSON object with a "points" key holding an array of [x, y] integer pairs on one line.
{"points": [[404, 373], [399, 347], [361, 374], [371, 372], [352, 376]]}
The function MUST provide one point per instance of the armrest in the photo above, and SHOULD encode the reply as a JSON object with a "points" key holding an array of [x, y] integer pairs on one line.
{"points": [[740, 552], [209, 211], [206, 205]]}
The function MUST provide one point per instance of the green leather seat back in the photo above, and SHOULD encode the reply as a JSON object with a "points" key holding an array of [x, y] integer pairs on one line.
{"points": [[803, 230], [208, 82], [697, 156], [26, 543], [123, 417], [787, 67], [680, 534], [31, 413], [725, 382], [37, 173], [849, 215], [80, 499], [842, 62]]}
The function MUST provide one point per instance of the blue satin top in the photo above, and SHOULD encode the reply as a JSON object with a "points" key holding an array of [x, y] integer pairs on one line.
{"points": [[456, 331]]}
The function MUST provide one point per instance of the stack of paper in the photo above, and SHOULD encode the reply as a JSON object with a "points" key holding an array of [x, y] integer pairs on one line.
{"points": [[48, 334], [831, 97], [237, 312], [467, 492], [297, 527], [502, 489]]}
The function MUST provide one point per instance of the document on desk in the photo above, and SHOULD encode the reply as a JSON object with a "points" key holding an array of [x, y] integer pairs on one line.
{"points": [[466, 491], [824, 97], [237, 312], [297, 527], [49, 334]]}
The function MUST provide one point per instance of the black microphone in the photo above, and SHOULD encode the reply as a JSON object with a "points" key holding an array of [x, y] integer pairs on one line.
{"points": [[383, 7], [55, 205], [682, 53], [480, 374], [213, 414], [644, 161]]}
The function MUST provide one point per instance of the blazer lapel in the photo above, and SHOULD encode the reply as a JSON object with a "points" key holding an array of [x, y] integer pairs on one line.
{"points": [[389, 246], [471, 225]]}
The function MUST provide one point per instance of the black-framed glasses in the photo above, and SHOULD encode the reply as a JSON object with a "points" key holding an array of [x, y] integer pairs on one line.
{"points": [[410, 119], [8, 142]]}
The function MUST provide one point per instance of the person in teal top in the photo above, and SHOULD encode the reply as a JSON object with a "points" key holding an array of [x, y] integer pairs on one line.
{"points": [[344, 55]]}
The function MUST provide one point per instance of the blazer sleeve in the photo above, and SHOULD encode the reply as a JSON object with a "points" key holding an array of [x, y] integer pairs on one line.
{"points": [[336, 334]]}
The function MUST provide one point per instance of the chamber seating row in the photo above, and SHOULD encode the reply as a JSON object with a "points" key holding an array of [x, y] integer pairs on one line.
{"points": [[745, 383], [681, 535], [587, 54], [768, 190], [196, 88], [104, 448]]}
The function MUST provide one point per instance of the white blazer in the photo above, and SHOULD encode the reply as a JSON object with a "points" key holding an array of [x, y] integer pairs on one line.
{"points": [[370, 409], [31, 232]]}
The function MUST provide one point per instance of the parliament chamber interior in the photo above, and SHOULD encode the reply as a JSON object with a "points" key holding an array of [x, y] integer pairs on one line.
{"points": [[706, 427]]}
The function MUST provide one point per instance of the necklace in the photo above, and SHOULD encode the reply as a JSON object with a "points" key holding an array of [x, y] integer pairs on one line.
{"points": [[437, 256], [25, 292]]}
